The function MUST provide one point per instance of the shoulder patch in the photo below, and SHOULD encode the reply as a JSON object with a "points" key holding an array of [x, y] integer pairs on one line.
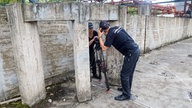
{"points": [[117, 30]]}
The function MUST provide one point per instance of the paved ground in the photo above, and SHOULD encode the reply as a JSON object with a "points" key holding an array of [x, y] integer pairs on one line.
{"points": [[162, 79]]}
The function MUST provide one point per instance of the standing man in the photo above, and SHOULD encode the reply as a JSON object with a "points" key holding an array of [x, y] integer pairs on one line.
{"points": [[121, 40], [92, 36]]}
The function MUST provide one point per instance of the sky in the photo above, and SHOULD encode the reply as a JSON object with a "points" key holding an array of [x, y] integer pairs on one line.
{"points": [[153, 1]]}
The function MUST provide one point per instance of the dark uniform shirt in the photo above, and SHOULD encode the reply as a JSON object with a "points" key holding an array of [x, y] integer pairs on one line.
{"points": [[91, 47], [121, 40]]}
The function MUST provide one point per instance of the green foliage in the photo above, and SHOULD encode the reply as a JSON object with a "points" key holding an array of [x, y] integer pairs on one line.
{"points": [[60, 0], [157, 11], [9, 1], [17, 104], [6, 1], [39, 1], [133, 10]]}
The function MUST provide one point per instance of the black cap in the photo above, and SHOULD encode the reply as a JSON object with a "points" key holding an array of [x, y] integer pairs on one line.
{"points": [[90, 25], [104, 24]]}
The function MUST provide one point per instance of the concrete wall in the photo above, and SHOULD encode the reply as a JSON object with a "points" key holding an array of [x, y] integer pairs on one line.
{"points": [[153, 32], [56, 23], [161, 31], [8, 79], [57, 47]]}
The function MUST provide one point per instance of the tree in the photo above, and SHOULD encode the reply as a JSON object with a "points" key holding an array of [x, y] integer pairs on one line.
{"points": [[9, 1], [32, 1]]}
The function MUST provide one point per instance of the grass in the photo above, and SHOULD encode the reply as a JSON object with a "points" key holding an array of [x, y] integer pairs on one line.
{"points": [[16, 104]]}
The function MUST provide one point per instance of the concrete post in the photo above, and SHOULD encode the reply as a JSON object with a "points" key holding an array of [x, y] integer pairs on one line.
{"points": [[81, 54], [25, 40], [145, 9], [123, 16], [81, 60]]}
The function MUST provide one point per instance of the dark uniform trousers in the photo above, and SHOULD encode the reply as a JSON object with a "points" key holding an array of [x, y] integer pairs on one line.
{"points": [[130, 61]]}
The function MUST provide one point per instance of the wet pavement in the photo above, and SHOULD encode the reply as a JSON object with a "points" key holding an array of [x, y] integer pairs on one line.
{"points": [[162, 79]]}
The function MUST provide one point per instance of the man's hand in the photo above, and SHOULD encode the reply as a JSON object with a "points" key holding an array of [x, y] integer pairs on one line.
{"points": [[99, 33], [92, 40]]}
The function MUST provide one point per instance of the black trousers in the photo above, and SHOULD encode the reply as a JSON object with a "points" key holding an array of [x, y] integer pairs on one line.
{"points": [[92, 63], [126, 75]]}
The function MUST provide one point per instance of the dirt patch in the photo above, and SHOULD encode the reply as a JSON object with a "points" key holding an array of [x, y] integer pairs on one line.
{"points": [[59, 95]]}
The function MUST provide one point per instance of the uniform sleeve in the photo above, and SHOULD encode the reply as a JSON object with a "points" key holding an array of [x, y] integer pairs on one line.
{"points": [[109, 39]]}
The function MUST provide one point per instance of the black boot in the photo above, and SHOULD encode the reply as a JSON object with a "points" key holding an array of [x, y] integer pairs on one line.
{"points": [[122, 97]]}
